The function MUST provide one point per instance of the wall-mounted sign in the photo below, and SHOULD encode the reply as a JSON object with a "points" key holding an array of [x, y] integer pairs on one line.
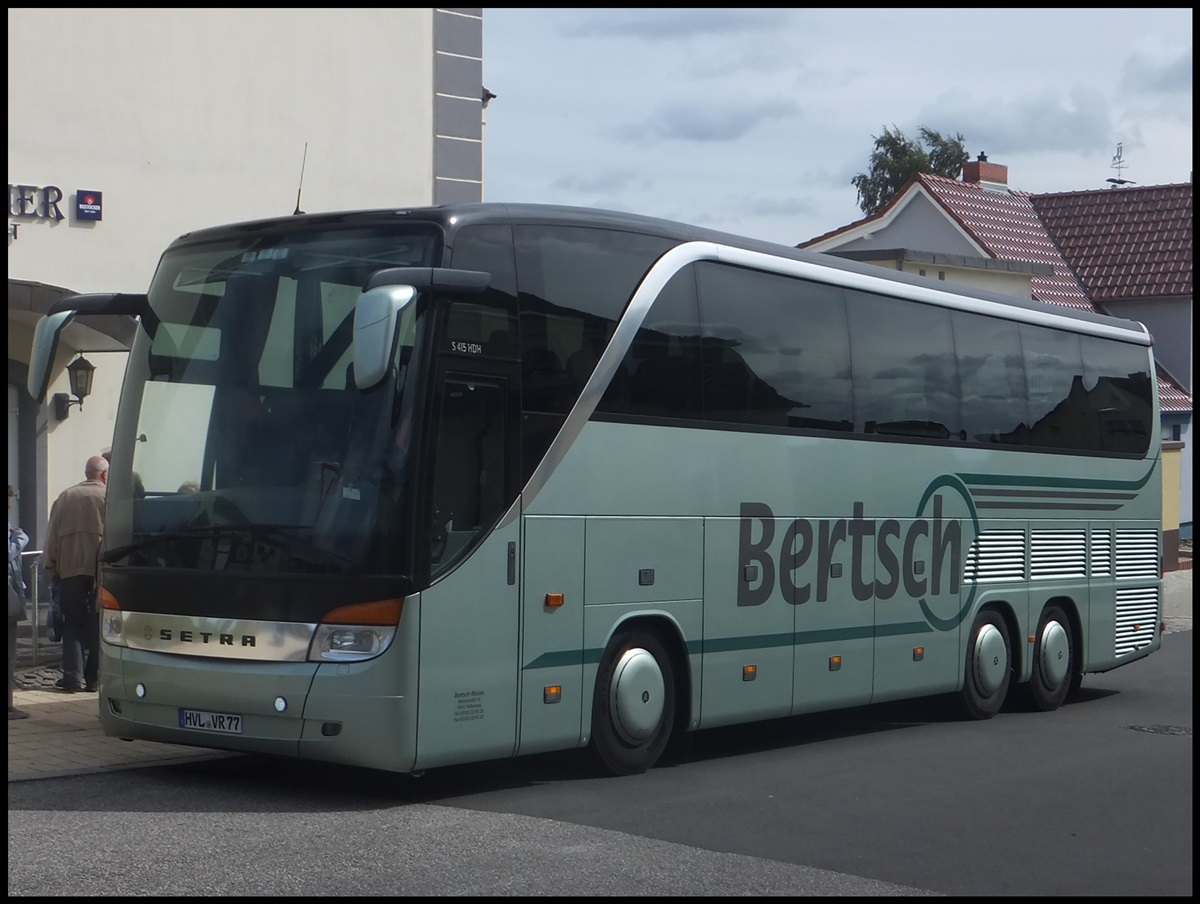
{"points": [[88, 205]]}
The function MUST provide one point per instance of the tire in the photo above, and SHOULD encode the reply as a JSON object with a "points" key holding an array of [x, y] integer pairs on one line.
{"points": [[1054, 662], [1076, 682], [633, 707], [988, 666]]}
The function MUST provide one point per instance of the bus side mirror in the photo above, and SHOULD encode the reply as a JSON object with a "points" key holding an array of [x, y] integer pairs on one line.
{"points": [[41, 356], [50, 327], [376, 331]]}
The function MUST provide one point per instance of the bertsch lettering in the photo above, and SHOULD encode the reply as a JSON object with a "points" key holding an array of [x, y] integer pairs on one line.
{"points": [[895, 567]]}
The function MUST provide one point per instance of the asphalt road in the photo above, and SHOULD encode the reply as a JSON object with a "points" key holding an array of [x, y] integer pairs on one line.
{"points": [[903, 799]]}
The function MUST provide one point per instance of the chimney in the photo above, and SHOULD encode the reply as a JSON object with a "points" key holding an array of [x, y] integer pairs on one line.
{"points": [[986, 175]]}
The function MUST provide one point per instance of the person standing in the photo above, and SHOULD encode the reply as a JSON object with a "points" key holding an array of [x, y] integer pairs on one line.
{"points": [[17, 541], [72, 544]]}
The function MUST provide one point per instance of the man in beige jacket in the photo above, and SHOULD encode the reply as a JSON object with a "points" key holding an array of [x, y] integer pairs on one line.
{"points": [[72, 544]]}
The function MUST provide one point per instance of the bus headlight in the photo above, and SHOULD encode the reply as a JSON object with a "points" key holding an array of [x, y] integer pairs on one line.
{"points": [[111, 627], [349, 643], [112, 624]]}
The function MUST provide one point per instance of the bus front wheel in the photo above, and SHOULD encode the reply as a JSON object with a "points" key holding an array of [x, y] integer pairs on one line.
{"points": [[988, 666], [1053, 660], [633, 708]]}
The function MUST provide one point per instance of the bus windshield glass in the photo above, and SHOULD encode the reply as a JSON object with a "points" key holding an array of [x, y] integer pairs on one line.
{"points": [[252, 448]]}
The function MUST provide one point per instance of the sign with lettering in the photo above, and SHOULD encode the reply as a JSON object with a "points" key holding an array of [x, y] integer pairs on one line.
{"points": [[88, 205], [40, 202]]}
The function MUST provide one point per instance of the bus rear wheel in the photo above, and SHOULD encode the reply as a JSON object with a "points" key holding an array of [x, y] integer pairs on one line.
{"points": [[633, 708], [988, 669], [1053, 660]]}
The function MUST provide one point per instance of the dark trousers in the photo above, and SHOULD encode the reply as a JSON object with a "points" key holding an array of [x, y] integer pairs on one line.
{"points": [[80, 633]]}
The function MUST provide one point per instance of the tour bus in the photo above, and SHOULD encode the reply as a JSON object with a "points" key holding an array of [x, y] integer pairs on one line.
{"points": [[418, 487]]}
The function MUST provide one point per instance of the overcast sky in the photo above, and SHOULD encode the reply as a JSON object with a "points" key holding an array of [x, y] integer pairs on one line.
{"points": [[755, 120]]}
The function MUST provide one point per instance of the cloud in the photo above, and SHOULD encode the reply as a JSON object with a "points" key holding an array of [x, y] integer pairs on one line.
{"points": [[755, 120], [705, 120], [1154, 74], [778, 205], [662, 24], [599, 182], [1042, 121]]}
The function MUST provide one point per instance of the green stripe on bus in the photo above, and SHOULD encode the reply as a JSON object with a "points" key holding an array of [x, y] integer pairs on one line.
{"points": [[1014, 480], [562, 658]]}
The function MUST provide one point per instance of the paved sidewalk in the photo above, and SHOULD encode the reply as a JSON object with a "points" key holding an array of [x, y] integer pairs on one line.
{"points": [[62, 737], [62, 734]]}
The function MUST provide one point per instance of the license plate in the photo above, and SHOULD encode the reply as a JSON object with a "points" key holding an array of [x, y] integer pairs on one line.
{"points": [[199, 720]]}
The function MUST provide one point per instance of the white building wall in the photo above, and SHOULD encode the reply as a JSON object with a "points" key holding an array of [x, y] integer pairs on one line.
{"points": [[1017, 284], [187, 118]]}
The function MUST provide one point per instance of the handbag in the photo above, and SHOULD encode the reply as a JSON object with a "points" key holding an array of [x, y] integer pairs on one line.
{"points": [[16, 590], [54, 620]]}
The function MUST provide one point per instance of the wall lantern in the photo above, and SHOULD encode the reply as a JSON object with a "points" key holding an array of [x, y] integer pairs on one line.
{"points": [[80, 372]]}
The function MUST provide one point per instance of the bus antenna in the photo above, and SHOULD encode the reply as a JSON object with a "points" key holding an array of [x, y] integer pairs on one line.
{"points": [[300, 188]]}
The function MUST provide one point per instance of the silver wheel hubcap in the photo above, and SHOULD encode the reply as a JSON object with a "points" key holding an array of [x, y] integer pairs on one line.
{"points": [[637, 696], [991, 659], [1056, 653]]}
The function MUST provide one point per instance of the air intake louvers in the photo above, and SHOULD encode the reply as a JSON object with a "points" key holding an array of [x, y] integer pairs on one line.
{"points": [[1058, 554], [1137, 614], [1137, 554], [997, 555], [1101, 554]]}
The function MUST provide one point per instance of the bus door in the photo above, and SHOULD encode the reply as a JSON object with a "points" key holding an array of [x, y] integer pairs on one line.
{"points": [[467, 698]]}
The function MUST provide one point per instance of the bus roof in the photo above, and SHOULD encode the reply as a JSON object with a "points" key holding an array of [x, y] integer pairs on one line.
{"points": [[452, 217]]}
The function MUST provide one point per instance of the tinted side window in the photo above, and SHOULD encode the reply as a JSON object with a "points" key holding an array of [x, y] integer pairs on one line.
{"points": [[575, 283], [991, 372], [775, 350], [660, 376], [905, 373], [485, 324], [1120, 395], [1054, 384]]}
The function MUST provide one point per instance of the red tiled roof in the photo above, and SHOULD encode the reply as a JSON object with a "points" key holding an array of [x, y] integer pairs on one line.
{"points": [[1006, 224], [1124, 243], [1171, 396], [1149, 256]]}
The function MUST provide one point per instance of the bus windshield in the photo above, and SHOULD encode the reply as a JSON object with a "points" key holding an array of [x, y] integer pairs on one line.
{"points": [[249, 446]]}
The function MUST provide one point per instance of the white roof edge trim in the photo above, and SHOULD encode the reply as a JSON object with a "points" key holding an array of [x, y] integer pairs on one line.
{"points": [[691, 252], [631, 321], [941, 297]]}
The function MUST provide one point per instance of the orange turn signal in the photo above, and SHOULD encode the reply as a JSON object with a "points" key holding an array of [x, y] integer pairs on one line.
{"points": [[378, 612]]}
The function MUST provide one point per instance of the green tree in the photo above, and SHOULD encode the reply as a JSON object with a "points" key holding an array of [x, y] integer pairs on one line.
{"points": [[897, 158]]}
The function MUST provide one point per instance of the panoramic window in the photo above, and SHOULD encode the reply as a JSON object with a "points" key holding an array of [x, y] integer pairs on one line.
{"points": [[1056, 394], [991, 373], [575, 284], [905, 373], [1120, 395], [776, 350]]}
